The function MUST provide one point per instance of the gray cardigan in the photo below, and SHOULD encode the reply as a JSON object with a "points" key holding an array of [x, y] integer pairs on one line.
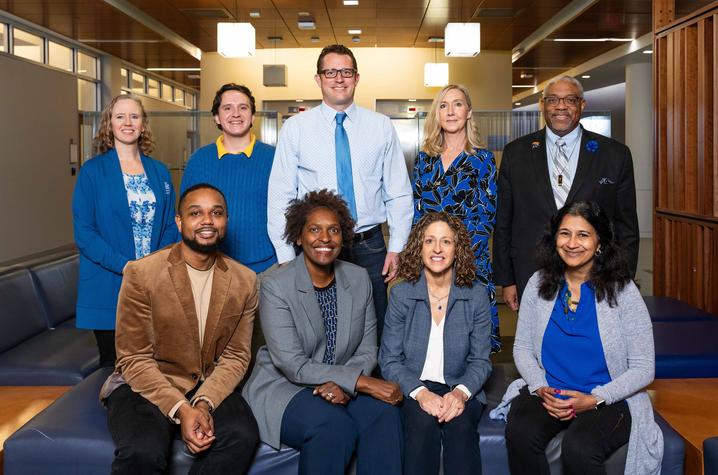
{"points": [[627, 338], [293, 328]]}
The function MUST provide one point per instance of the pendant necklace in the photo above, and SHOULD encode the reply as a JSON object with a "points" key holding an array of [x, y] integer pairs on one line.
{"points": [[438, 300]]}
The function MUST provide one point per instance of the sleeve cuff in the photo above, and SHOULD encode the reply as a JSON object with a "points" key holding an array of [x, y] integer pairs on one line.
{"points": [[172, 415], [464, 389], [205, 399], [416, 391]]}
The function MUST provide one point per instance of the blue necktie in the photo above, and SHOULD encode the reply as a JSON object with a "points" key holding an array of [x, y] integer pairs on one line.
{"points": [[345, 180]]}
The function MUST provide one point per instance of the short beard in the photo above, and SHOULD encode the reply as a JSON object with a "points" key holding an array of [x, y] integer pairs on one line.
{"points": [[205, 249]]}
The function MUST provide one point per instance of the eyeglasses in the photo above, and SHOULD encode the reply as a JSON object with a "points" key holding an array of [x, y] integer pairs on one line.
{"points": [[332, 73], [553, 101]]}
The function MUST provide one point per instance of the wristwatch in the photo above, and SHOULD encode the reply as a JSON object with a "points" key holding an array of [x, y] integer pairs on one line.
{"points": [[599, 403]]}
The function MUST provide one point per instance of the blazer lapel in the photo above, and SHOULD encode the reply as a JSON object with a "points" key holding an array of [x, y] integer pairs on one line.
{"points": [[220, 288], [344, 312], [309, 302], [586, 161], [540, 164], [422, 314], [183, 289]]}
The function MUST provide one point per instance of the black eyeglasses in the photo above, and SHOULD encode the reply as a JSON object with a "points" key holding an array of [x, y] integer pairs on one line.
{"points": [[553, 101], [332, 73]]}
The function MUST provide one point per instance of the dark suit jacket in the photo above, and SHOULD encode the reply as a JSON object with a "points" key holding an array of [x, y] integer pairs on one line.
{"points": [[526, 203], [467, 341], [293, 327], [157, 339]]}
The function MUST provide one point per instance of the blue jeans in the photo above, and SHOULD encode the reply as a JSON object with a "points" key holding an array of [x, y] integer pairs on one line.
{"points": [[327, 435], [370, 254]]}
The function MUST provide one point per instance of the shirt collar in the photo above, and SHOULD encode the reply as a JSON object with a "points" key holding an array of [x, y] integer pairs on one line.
{"points": [[329, 113], [569, 138], [221, 151]]}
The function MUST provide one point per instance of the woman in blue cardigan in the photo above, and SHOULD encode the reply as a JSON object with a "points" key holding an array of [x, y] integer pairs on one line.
{"points": [[436, 346], [123, 208]]}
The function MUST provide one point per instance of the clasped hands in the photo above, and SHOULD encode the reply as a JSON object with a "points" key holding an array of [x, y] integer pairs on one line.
{"points": [[386, 391], [444, 408], [565, 409], [197, 426]]}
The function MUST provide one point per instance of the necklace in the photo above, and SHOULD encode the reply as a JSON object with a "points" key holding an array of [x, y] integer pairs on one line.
{"points": [[569, 304], [438, 300]]}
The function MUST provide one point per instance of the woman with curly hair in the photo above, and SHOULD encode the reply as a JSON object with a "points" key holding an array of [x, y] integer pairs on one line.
{"points": [[311, 387], [436, 346], [584, 348], [123, 208], [454, 174]]}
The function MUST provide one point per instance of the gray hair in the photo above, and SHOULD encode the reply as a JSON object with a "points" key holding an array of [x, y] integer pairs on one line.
{"points": [[569, 79]]}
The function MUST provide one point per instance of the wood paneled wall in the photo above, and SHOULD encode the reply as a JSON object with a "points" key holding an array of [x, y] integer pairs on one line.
{"points": [[686, 156]]}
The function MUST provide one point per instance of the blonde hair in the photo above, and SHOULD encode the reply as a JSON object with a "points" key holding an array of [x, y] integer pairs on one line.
{"points": [[105, 139], [433, 133]]}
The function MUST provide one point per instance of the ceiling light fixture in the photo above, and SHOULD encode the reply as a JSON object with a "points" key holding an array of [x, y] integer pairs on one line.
{"points": [[462, 39], [517, 103], [355, 39], [593, 40], [314, 39], [235, 40], [586, 76], [436, 39], [354, 31], [411, 100], [351, 3], [648, 51], [254, 14], [522, 85], [436, 74]]}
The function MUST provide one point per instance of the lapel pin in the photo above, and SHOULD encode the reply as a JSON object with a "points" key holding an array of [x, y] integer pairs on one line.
{"points": [[591, 145], [535, 144]]}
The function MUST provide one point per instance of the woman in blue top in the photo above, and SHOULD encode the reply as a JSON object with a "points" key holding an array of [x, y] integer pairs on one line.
{"points": [[454, 174], [123, 208], [584, 347]]}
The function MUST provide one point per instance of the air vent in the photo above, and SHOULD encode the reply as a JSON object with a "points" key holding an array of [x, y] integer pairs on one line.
{"points": [[207, 13]]}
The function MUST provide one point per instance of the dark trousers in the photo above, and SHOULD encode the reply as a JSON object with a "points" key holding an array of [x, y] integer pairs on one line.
{"points": [[424, 437], [143, 436], [589, 440], [327, 435], [370, 254], [106, 346]]}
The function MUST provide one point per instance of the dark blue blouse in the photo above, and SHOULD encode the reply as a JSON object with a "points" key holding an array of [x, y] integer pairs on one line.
{"points": [[572, 352]]}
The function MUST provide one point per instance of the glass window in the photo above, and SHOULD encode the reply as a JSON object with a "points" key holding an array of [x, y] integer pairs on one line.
{"points": [[86, 65], [166, 92], [86, 95], [179, 96], [153, 87], [3, 37], [189, 99], [59, 56], [125, 77], [138, 83], [28, 46]]}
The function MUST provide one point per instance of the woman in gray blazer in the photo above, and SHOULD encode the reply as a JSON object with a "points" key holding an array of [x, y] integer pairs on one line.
{"points": [[311, 387], [436, 345], [584, 347]]}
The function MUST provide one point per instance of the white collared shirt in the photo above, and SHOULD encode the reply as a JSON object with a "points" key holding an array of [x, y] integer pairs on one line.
{"points": [[305, 160]]}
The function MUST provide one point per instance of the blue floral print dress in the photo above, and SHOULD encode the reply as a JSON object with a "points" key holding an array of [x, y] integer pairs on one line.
{"points": [[466, 190], [142, 203]]}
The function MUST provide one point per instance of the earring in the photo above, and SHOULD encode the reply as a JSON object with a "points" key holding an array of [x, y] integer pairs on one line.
{"points": [[598, 252]]}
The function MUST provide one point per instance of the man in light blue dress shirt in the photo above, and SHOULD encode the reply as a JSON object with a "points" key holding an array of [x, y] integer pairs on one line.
{"points": [[306, 160]]}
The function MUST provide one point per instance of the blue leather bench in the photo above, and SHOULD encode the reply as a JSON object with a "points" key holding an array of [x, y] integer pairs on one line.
{"points": [[71, 437], [710, 456], [668, 309], [39, 345], [686, 349]]}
